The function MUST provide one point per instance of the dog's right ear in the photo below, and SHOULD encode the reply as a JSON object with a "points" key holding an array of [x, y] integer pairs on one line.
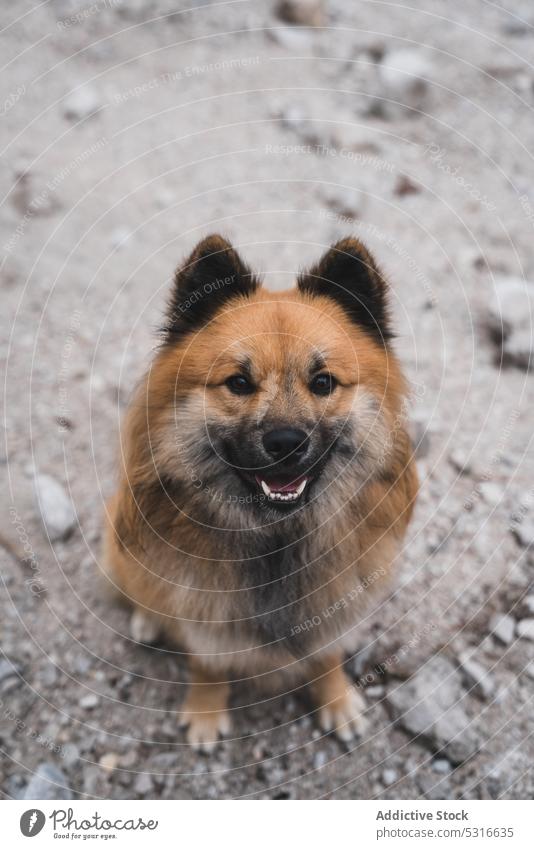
{"points": [[213, 274]]}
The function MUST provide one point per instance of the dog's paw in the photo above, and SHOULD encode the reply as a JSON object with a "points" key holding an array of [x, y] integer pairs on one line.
{"points": [[344, 715], [143, 628], [205, 729]]}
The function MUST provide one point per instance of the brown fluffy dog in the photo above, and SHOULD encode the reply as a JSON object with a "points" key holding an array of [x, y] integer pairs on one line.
{"points": [[267, 480]]}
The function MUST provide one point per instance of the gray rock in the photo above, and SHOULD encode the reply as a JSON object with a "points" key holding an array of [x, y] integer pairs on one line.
{"points": [[428, 706], [120, 236], [389, 776], [56, 508], [70, 755], [48, 782], [89, 701], [143, 784], [81, 103], [524, 532], [320, 759], [433, 788], [442, 766], [403, 77], [461, 461], [502, 627], [8, 669], [419, 431], [308, 13], [510, 319], [525, 629], [290, 38], [343, 201], [491, 492], [475, 676]]}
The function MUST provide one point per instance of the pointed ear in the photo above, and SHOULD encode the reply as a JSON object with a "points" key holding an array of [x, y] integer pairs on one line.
{"points": [[348, 274], [212, 274]]}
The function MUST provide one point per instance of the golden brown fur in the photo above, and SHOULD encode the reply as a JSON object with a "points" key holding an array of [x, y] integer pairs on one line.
{"points": [[240, 586]]}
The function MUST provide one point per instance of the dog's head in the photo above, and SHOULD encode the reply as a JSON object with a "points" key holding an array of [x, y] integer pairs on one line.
{"points": [[274, 400]]}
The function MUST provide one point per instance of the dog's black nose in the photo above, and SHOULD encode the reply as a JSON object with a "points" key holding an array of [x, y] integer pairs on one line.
{"points": [[286, 443]]}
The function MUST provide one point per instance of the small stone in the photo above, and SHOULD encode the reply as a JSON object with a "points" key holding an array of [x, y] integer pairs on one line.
{"points": [[343, 201], [70, 754], [56, 508], [491, 492], [529, 669], [428, 706], [524, 532], [309, 13], [290, 38], [143, 784], [375, 692], [109, 761], [502, 627], [403, 75], [120, 236], [419, 431], [320, 759], [461, 462], [291, 117], [81, 103], [434, 788], [442, 766], [475, 676], [389, 776], [8, 669], [405, 186], [528, 603], [509, 319], [48, 782], [525, 629], [89, 702]]}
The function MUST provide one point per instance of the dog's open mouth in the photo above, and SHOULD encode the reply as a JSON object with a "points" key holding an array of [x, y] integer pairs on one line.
{"points": [[283, 492]]}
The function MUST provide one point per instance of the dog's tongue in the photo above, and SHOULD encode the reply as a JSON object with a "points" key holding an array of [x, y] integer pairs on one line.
{"points": [[279, 486]]}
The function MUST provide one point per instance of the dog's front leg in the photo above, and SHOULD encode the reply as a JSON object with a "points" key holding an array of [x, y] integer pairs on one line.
{"points": [[340, 705], [205, 709]]}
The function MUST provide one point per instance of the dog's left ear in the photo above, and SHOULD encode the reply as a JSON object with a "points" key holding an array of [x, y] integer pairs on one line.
{"points": [[210, 276], [348, 274]]}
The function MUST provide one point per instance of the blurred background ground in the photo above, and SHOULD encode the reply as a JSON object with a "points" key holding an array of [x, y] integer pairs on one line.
{"points": [[128, 131]]}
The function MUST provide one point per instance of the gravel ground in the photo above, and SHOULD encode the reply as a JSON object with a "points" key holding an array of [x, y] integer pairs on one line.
{"points": [[131, 129]]}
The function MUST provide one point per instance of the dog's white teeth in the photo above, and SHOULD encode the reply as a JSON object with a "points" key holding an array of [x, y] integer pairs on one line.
{"points": [[266, 489], [301, 486]]}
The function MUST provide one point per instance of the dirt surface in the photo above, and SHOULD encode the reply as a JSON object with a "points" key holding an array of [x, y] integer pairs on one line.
{"points": [[130, 130]]}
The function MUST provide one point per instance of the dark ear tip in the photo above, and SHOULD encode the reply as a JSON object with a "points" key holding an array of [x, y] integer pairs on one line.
{"points": [[212, 244]]}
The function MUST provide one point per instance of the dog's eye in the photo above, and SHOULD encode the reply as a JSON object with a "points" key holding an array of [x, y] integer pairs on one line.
{"points": [[240, 385], [323, 384]]}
